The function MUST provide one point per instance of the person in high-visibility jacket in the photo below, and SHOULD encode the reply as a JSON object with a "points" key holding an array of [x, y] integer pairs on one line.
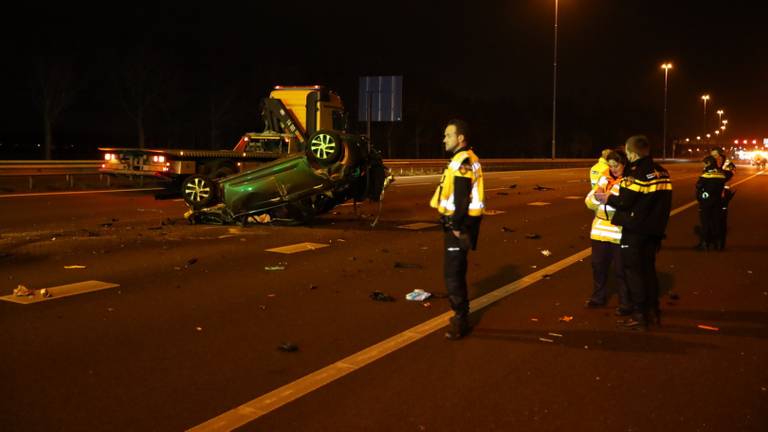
{"points": [[606, 238], [709, 194], [728, 168], [460, 200], [599, 169]]}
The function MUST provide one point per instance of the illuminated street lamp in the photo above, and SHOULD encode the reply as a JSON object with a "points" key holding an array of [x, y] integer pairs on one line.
{"points": [[705, 98], [720, 115], [666, 67]]}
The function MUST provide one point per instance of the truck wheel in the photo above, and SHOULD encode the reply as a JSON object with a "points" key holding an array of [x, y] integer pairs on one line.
{"points": [[199, 191], [325, 147]]}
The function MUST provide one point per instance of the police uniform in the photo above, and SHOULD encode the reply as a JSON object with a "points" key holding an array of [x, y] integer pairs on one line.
{"points": [[709, 194], [605, 246], [728, 169], [459, 199], [642, 208]]}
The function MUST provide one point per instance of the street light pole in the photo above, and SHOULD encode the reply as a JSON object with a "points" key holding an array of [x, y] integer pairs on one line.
{"points": [[554, 84], [705, 98], [666, 67]]}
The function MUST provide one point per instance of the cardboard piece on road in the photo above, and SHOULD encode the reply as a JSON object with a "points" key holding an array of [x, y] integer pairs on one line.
{"points": [[298, 247], [538, 203], [62, 291], [418, 226]]}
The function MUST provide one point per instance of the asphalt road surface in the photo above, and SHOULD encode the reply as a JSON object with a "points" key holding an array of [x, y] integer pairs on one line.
{"points": [[190, 337]]}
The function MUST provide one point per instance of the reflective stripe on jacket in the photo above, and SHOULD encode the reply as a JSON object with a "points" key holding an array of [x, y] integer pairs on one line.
{"points": [[463, 164], [602, 228]]}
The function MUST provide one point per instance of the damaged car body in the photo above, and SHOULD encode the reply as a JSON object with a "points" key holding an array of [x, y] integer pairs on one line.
{"points": [[333, 169]]}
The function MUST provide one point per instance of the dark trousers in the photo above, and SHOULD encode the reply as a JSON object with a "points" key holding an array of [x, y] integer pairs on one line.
{"points": [[712, 225], [455, 272], [603, 254], [638, 253]]}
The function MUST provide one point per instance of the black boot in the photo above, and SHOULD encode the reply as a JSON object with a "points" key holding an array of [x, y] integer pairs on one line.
{"points": [[459, 327], [636, 321]]}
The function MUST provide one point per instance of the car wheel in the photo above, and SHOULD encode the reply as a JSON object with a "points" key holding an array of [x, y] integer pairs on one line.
{"points": [[325, 147], [198, 191]]}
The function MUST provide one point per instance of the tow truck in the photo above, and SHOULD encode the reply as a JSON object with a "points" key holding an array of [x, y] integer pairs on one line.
{"points": [[296, 119]]}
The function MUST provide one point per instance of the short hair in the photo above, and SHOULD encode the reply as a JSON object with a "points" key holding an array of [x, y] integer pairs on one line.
{"points": [[617, 156], [604, 154], [639, 144], [719, 151], [709, 163], [462, 128]]}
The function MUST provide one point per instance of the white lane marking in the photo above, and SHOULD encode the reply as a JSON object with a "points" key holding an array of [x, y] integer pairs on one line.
{"points": [[61, 291], [298, 247], [538, 203], [275, 399], [36, 194]]}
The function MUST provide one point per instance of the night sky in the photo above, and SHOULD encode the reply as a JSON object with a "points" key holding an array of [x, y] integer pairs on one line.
{"points": [[202, 70]]}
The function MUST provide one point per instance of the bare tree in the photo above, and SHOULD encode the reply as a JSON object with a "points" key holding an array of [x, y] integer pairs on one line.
{"points": [[56, 84], [143, 77]]}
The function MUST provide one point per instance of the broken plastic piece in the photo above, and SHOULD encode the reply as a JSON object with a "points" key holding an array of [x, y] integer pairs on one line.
{"points": [[535, 319], [706, 327], [426, 304], [380, 296], [543, 188], [546, 340], [288, 347], [262, 218], [505, 229], [190, 262], [22, 291], [532, 236], [555, 334], [418, 295], [70, 267], [274, 268], [546, 252], [566, 318], [45, 293]]}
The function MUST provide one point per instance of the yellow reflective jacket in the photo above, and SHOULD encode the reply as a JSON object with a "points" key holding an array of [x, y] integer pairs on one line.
{"points": [[463, 164], [602, 228], [598, 170]]}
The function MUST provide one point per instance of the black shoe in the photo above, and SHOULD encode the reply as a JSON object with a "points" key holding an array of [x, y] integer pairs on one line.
{"points": [[459, 327], [623, 311], [591, 304], [635, 322]]}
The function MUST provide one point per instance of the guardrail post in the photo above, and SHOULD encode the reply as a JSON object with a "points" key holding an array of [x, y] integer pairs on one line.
{"points": [[30, 183], [71, 181], [141, 181]]}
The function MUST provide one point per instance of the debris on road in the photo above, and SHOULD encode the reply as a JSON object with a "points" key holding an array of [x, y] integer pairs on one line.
{"points": [[405, 265], [532, 236], [199, 329], [380, 296], [263, 218], [512, 186], [546, 276], [543, 188], [190, 262], [546, 252], [274, 268], [418, 295], [566, 318], [22, 291], [506, 229], [555, 334], [262, 307], [426, 304], [706, 327], [535, 319], [501, 193], [546, 340], [313, 287], [288, 347], [106, 225], [45, 293], [71, 267]]}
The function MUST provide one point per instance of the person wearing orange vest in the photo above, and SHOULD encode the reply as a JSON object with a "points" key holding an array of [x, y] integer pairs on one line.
{"points": [[459, 199], [606, 238]]}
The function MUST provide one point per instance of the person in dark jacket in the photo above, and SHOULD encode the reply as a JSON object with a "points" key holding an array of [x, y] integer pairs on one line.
{"points": [[642, 208], [459, 199], [709, 194], [729, 169]]}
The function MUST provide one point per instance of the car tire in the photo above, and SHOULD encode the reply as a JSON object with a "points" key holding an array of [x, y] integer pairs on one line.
{"points": [[325, 147], [198, 191]]}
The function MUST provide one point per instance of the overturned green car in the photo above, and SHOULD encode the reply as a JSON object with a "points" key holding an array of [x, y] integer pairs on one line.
{"points": [[333, 169]]}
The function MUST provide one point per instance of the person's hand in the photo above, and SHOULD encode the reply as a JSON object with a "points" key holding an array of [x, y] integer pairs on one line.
{"points": [[601, 197], [456, 233]]}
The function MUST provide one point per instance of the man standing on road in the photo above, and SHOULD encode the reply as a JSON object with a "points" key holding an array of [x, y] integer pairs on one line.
{"points": [[460, 200], [599, 169], [642, 210], [728, 168]]}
